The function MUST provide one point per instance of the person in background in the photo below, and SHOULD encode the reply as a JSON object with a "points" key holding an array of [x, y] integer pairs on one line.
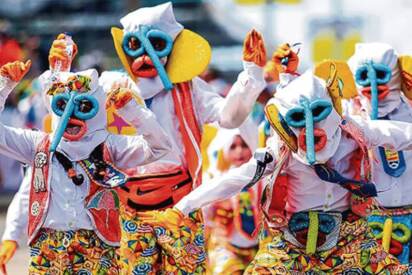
{"points": [[233, 223]]}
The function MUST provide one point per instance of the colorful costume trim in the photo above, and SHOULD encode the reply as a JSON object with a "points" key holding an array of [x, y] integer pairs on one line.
{"points": [[71, 252]]}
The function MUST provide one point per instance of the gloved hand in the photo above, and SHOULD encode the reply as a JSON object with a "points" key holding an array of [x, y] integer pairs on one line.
{"points": [[58, 53], [7, 250], [254, 48], [16, 70], [284, 51], [118, 98]]}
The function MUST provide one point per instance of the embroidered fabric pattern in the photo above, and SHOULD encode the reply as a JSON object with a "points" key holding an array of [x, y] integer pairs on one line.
{"points": [[71, 252], [146, 249], [356, 252]]}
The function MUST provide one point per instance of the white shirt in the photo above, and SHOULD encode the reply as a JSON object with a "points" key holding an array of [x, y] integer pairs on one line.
{"points": [[209, 107], [306, 191], [395, 191]]}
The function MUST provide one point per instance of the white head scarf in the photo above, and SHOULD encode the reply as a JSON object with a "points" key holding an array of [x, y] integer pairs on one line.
{"points": [[160, 17], [384, 54], [96, 126]]}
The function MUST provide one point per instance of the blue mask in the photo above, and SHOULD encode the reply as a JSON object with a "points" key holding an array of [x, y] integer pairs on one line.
{"points": [[153, 43]]}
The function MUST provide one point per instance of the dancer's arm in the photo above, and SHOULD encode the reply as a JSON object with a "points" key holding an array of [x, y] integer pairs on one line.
{"points": [[231, 111], [149, 145]]}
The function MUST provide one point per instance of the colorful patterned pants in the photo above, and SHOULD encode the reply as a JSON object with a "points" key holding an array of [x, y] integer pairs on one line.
{"points": [[145, 249], [356, 252], [225, 258], [393, 228], [71, 252]]}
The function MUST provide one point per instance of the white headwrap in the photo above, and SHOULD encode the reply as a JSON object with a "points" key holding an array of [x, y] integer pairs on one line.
{"points": [[384, 54], [96, 126], [311, 87]]}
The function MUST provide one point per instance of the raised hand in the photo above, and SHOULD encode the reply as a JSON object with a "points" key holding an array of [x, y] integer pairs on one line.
{"points": [[119, 97], [16, 70], [7, 250], [254, 48], [58, 53], [285, 51]]}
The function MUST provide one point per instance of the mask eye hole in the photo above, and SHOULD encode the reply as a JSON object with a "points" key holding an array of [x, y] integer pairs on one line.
{"points": [[318, 110], [364, 75], [133, 43], [380, 74], [361, 76], [295, 117], [85, 106], [298, 116], [158, 43], [61, 104]]}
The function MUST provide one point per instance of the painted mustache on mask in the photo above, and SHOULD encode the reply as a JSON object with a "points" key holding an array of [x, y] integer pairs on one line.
{"points": [[373, 77], [311, 139]]}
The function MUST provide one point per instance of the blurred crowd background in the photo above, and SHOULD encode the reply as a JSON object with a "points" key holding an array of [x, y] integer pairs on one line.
{"points": [[325, 29]]}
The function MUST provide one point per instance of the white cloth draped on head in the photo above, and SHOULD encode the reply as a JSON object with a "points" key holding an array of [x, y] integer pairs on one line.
{"points": [[96, 126], [384, 54], [160, 17], [309, 86], [248, 131]]}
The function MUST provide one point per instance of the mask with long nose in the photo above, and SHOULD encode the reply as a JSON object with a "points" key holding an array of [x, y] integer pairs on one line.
{"points": [[307, 110], [157, 51], [377, 76], [148, 49], [76, 102]]}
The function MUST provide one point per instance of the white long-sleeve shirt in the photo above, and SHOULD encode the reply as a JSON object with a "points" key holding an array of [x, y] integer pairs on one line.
{"points": [[306, 191], [396, 191], [209, 107], [66, 209]]}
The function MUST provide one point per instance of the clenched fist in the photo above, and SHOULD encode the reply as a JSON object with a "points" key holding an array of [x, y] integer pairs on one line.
{"points": [[285, 51]]}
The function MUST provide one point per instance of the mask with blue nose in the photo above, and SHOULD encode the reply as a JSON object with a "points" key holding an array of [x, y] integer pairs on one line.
{"points": [[374, 77], [304, 117], [74, 108], [148, 49]]}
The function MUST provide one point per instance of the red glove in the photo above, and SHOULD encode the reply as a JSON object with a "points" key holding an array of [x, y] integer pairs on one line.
{"points": [[254, 48]]}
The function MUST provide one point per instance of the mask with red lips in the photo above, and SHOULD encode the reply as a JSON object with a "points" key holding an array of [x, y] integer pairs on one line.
{"points": [[308, 111]]}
